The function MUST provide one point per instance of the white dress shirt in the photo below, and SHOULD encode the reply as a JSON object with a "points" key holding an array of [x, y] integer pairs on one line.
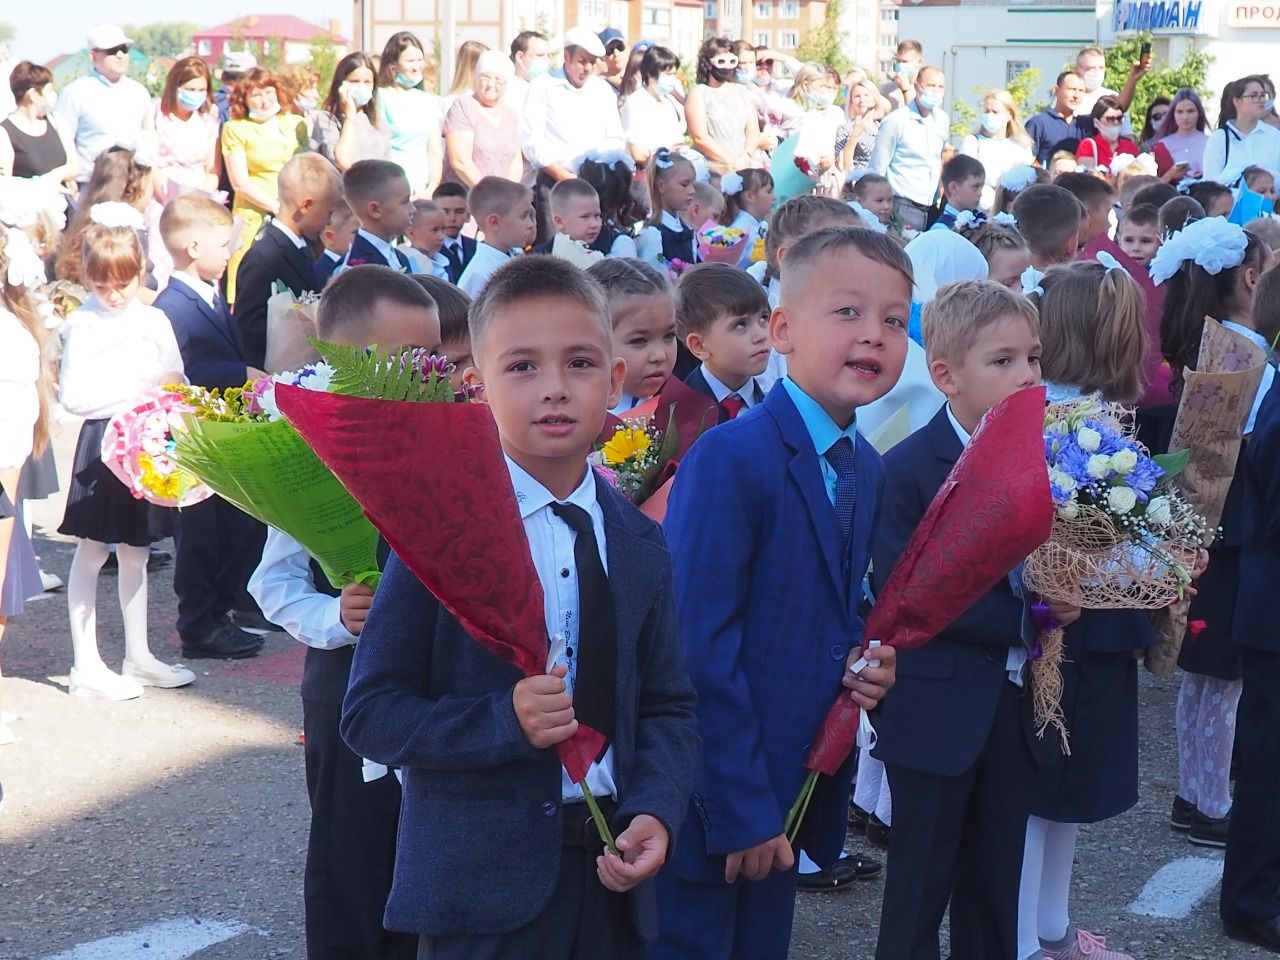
{"points": [[111, 359], [19, 397], [908, 152], [747, 391], [296, 240], [563, 123], [551, 543], [99, 114], [204, 291], [1259, 147], [384, 247], [431, 264], [649, 242], [483, 265], [1268, 372], [285, 589]]}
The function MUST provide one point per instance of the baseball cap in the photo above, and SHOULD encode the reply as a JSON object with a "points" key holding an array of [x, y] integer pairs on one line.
{"points": [[584, 38], [106, 36], [238, 61], [612, 35]]}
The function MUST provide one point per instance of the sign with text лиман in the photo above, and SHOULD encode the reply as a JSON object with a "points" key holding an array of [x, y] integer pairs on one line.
{"points": [[1166, 17]]}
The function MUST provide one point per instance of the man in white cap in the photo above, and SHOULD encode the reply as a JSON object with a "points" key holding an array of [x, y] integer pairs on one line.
{"points": [[566, 114], [235, 64], [105, 108]]}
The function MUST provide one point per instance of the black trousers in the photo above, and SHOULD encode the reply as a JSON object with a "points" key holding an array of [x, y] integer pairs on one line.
{"points": [[960, 840], [542, 208], [218, 547], [582, 921], [1251, 874], [351, 850]]}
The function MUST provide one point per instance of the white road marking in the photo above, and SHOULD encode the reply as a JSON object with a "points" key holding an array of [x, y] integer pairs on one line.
{"points": [[1177, 888], [166, 940]]}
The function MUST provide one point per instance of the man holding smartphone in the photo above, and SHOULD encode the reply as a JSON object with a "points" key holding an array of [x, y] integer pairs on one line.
{"points": [[1091, 65]]}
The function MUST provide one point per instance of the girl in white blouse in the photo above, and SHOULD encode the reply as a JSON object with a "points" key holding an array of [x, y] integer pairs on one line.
{"points": [[116, 349], [748, 201]]}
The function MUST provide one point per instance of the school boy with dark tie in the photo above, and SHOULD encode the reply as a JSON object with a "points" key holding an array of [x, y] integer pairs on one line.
{"points": [[378, 193]]}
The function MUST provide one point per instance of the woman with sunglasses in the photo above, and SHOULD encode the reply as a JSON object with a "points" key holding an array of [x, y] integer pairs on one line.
{"points": [[722, 118], [1107, 143], [1242, 139]]}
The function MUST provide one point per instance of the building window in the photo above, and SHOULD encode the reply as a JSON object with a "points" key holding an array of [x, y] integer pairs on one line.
{"points": [[709, 11], [789, 39], [656, 16], [764, 11], [790, 10], [204, 48], [1012, 68], [764, 38]]}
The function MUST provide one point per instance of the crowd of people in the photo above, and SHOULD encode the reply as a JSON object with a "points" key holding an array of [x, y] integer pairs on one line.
{"points": [[548, 223]]}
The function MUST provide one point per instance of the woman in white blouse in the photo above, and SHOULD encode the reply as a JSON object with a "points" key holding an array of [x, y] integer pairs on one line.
{"points": [[1000, 143], [652, 117], [815, 90]]}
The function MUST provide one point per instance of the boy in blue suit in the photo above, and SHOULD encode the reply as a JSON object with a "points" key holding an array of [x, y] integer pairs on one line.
{"points": [[496, 856], [770, 524], [217, 545], [956, 736], [378, 193]]}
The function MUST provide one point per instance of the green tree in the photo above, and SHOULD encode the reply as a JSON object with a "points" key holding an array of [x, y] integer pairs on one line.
{"points": [[964, 114], [324, 58], [7, 32], [1160, 81], [271, 57], [823, 44], [162, 39]]}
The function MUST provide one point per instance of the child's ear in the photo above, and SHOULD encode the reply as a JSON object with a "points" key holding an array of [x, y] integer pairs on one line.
{"points": [[697, 346], [306, 204], [780, 330], [192, 249], [471, 377], [943, 376], [617, 373]]}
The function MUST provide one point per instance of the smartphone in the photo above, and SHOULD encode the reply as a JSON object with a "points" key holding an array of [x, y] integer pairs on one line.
{"points": [[1145, 50]]}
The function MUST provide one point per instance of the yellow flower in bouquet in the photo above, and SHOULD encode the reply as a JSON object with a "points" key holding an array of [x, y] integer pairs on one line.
{"points": [[627, 443]]}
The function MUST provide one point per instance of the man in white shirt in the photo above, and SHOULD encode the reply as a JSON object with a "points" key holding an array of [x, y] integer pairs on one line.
{"points": [[908, 149], [567, 114], [531, 55], [106, 108]]}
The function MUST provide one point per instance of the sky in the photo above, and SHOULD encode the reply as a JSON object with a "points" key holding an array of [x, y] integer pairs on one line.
{"points": [[46, 28]]}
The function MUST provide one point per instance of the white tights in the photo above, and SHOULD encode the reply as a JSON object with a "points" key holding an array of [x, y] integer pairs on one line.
{"points": [[82, 597], [1047, 862], [1206, 721]]}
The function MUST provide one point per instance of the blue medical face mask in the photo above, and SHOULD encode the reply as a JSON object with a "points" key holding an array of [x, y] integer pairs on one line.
{"points": [[930, 101], [994, 122], [405, 81], [539, 68], [192, 99]]}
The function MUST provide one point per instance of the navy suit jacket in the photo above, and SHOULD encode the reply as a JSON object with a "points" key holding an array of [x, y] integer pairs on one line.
{"points": [[1255, 620], [272, 258], [698, 381], [362, 252], [468, 251], [324, 267], [212, 355], [768, 603], [938, 715], [480, 823]]}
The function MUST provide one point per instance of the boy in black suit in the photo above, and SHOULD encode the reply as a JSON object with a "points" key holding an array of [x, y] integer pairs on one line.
{"points": [[378, 193], [218, 545], [496, 858], [723, 321], [956, 733], [452, 199], [309, 190], [336, 238]]}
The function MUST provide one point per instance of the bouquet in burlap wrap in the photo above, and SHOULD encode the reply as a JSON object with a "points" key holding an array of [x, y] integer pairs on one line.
{"points": [[1215, 404], [1123, 537]]}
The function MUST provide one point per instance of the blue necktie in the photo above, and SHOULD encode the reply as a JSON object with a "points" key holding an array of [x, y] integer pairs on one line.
{"points": [[840, 456]]}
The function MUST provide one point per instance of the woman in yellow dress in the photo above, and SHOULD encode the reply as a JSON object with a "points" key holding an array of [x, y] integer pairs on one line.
{"points": [[261, 136]]}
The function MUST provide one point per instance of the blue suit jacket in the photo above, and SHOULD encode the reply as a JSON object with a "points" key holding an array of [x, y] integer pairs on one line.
{"points": [[938, 715], [1255, 621], [212, 354], [324, 267], [362, 251], [480, 823], [768, 608]]}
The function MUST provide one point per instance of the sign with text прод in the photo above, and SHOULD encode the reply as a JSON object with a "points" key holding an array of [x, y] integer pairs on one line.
{"points": [[1253, 16]]}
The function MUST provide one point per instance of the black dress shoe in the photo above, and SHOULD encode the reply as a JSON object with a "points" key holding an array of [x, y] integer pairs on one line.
{"points": [[857, 818], [878, 832], [1181, 813], [840, 874], [1264, 934], [1208, 831], [157, 559], [224, 643], [251, 621]]}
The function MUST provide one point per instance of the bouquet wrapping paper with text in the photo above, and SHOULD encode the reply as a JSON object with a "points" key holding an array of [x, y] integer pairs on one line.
{"points": [[238, 445], [138, 447], [992, 510], [464, 540], [1212, 413]]}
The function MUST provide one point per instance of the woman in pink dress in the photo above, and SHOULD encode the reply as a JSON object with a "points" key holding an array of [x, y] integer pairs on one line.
{"points": [[185, 123], [481, 133]]}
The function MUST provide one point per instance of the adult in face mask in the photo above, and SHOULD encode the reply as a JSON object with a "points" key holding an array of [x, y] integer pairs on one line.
{"points": [[1109, 141], [907, 61], [652, 116], [410, 110], [1091, 67], [722, 118], [346, 128], [481, 133], [531, 57], [185, 121], [908, 149], [814, 90], [31, 143], [260, 138], [1000, 143]]}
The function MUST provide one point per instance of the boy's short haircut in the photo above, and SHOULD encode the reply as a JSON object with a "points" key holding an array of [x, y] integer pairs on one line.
{"points": [[1135, 185], [794, 219], [1047, 216], [342, 215], [1156, 195], [1177, 213], [705, 194], [1266, 304], [351, 297], [452, 302], [566, 192], [1266, 229], [189, 212], [628, 277], [1207, 192], [1092, 191], [424, 206], [496, 196], [449, 188], [1059, 155], [712, 291], [369, 181], [962, 167], [1252, 173], [309, 175], [952, 320], [1141, 215], [535, 278], [811, 248]]}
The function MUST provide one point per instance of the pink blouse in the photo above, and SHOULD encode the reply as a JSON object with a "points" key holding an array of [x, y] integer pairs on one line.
{"points": [[184, 148]]}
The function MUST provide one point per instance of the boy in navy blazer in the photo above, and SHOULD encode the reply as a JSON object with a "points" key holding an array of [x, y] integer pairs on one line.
{"points": [[496, 858], [217, 545], [379, 195], [458, 249], [770, 523], [956, 735]]}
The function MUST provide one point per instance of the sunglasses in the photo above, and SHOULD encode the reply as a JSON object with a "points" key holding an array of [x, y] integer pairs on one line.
{"points": [[1113, 121], [725, 62], [116, 50]]}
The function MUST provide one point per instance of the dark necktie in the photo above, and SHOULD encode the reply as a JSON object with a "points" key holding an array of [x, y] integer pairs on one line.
{"points": [[597, 635], [732, 405], [840, 456], [453, 251]]}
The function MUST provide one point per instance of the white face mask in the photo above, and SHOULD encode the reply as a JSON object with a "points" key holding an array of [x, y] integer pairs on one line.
{"points": [[821, 98], [361, 95], [1093, 79], [1109, 132], [667, 84], [262, 116]]}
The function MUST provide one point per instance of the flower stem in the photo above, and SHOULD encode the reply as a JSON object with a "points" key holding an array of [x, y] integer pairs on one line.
{"points": [[598, 818], [795, 816]]}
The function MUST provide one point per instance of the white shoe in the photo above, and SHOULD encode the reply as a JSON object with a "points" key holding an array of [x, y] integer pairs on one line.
{"points": [[50, 582], [103, 684], [157, 674]]}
